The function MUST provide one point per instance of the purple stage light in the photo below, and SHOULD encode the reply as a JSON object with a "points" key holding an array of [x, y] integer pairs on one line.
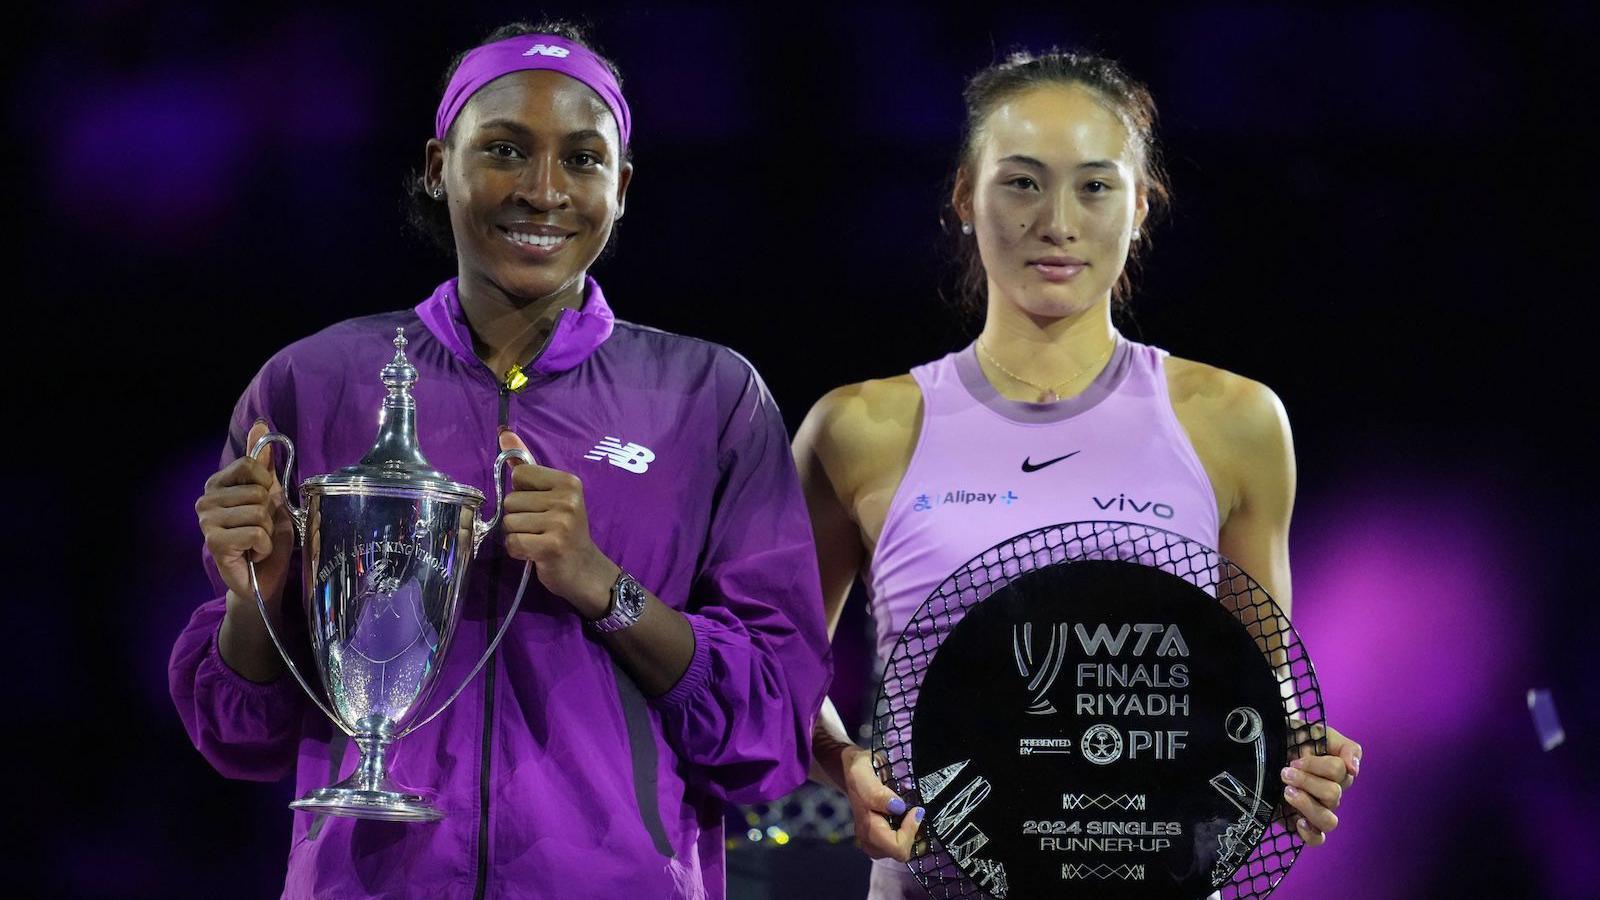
{"points": [[156, 158], [1402, 594]]}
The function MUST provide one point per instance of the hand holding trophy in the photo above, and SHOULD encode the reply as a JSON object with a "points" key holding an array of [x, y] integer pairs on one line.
{"points": [[242, 516], [385, 549]]}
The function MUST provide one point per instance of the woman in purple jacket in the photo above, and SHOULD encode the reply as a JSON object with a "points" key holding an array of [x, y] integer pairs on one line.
{"points": [[595, 754]]}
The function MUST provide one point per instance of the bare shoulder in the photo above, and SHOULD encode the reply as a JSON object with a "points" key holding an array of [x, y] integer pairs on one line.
{"points": [[1241, 412], [1239, 430], [857, 419], [860, 432]]}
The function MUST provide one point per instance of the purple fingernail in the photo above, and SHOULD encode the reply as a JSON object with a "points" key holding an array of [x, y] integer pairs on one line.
{"points": [[897, 806], [1292, 791], [918, 813], [1304, 825], [1355, 765], [1288, 774]]}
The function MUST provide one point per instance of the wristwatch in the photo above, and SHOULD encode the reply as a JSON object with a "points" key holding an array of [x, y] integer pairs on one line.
{"points": [[627, 604]]}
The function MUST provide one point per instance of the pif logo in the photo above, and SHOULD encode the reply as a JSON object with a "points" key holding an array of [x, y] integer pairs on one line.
{"points": [[547, 50]]}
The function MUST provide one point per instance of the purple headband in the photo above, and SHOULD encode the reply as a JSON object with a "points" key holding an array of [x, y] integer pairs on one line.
{"points": [[530, 51]]}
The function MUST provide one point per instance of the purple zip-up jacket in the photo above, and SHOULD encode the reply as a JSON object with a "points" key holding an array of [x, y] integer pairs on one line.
{"points": [[556, 776]]}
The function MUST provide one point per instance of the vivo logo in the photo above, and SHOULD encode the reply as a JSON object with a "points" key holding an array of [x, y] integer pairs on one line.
{"points": [[1122, 503], [547, 50]]}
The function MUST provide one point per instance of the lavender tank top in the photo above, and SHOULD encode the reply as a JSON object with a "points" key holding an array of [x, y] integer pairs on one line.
{"points": [[986, 469]]}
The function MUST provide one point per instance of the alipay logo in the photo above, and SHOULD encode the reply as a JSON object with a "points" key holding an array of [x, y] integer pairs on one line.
{"points": [[925, 502], [630, 456]]}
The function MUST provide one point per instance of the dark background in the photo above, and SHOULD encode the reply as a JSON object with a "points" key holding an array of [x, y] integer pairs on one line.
{"points": [[1384, 212]]}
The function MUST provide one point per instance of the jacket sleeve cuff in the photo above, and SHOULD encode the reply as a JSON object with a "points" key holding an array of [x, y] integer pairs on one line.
{"points": [[695, 677], [213, 665]]}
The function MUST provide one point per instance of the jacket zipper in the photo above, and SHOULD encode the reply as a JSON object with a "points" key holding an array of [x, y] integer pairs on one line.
{"points": [[517, 375], [490, 624]]}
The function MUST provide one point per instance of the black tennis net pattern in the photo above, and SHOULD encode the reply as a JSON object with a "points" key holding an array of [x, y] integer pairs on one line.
{"points": [[1064, 544]]}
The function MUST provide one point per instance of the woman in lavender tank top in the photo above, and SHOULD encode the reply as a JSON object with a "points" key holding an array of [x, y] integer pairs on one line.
{"points": [[1057, 176]]}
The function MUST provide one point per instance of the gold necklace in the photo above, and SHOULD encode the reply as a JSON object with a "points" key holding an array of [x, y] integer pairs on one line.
{"points": [[1047, 394]]}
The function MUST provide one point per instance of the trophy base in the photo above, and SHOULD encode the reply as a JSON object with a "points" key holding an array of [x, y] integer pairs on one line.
{"points": [[385, 806], [369, 793]]}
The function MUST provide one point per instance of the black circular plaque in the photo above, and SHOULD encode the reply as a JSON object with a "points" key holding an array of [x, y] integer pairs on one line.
{"points": [[1098, 709]]}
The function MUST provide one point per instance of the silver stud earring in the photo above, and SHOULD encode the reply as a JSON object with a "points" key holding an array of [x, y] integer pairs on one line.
{"points": [[438, 192], [1136, 234], [966, 227]]}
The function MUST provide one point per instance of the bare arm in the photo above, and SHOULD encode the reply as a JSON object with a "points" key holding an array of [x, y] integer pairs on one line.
{"points": [[850, 452], [1255, 535], [839, 558]]}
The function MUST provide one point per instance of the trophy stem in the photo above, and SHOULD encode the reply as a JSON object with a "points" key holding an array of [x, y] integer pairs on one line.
{"points": [[369, 793], [372, 771]]}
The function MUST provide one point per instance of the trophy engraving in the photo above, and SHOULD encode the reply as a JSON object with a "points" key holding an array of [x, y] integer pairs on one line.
{"points": [[386, 546]]}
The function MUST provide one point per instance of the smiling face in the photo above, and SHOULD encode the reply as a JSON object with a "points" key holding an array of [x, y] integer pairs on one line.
{"points": [[1053, 192], [535, 179]]}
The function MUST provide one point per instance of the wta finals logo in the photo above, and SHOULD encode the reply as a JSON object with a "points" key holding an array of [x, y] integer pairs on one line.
{"points": [[1100, 708]]}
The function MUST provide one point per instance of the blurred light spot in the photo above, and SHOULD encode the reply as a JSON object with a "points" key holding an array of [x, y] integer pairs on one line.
{"points": [[1414, 603], [153, 155], [1545, 720], [146, 159]]}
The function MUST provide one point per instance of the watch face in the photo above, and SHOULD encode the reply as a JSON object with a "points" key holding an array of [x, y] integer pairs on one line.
{"points": [[630, 597]]}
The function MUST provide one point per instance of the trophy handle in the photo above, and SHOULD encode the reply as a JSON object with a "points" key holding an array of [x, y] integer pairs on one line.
{"points": [[480, 528], [527, 570], [298, 516]]}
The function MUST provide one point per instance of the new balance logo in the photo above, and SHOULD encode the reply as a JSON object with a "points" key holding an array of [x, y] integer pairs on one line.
{"points": [[630, 456], [547, 50]]}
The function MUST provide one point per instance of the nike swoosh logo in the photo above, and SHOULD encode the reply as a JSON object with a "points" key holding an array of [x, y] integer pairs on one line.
{"points": [[1029, 466]]}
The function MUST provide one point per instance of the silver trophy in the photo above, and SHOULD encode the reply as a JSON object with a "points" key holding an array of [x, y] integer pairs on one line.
{"points": [[385, 548]]}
